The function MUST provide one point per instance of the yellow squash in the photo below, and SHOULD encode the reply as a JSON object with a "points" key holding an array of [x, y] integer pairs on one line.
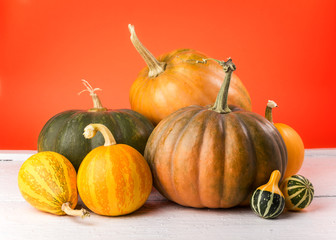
{"points": [[47, 180]]}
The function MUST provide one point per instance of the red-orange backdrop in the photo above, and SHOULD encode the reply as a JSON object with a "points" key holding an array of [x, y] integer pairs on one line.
{"points": [[284, 50]]}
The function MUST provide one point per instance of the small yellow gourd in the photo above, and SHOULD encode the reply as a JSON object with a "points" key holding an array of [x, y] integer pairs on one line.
{"points": [[47, 180]]}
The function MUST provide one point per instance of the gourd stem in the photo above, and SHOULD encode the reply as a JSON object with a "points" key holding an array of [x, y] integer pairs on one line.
{"points": [[91, 130], [221, 104], [274, 178], [97, 105], [72, 212], [268, 112], [155, 67]]}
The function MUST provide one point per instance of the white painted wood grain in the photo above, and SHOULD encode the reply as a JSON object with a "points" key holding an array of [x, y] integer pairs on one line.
{"points": [[162, 219], [16, 155]]}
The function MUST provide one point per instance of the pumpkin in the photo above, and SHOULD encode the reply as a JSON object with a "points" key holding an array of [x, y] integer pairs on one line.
{"points": [[293, 141], [63, 132], [298, 192], [113, 179], [175, 80], [268, 201], [47, 180], [214, 157]]}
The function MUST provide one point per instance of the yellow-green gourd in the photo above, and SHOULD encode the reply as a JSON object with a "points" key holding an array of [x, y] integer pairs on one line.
{"points": [[47, 180]]}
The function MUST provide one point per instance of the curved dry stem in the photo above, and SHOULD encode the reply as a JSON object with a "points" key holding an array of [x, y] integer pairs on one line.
{"points": [[72, 212], [268, 112], [97, 105], [155, 67], [91, 130]]}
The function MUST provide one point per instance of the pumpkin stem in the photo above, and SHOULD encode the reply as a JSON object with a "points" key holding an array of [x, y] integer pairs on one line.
{"points": [[268, 112], [91, 130], [97, 106], [72, 212], [155, 67], [221, 104]]}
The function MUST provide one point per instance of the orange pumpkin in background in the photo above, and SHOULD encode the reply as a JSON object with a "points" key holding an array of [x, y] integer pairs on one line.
{"points": [[293, 141], [175, 80], [113, 179]]}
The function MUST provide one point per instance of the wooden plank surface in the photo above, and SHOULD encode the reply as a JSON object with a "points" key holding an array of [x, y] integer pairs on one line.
{"points": [[162, 219]]}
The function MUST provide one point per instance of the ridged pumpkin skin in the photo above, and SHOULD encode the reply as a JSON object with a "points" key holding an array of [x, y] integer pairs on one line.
{"points": [[202, 158], [114, 180], [63, 133], [47, 180], [183, 83]]}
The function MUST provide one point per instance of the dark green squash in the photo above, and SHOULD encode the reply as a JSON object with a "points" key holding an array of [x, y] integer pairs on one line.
{"points": [[63, 133]]}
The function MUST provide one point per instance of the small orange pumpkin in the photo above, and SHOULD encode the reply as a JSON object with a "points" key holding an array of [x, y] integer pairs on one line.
{"points": [[113, 179], [293, 142], [174, 80]]}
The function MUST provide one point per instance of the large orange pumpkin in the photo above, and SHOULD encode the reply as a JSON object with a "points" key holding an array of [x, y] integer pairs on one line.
{"points": [[175, 80], [113, 179], [214, 157], [293, 141]]}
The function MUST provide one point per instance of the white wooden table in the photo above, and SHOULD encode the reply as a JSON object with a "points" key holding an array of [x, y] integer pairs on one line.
{"points": [[162, 219]]}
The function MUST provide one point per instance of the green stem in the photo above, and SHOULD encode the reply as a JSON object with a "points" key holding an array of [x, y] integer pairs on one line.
{"points": [[221, 104], [268, 112], [155, 67]]}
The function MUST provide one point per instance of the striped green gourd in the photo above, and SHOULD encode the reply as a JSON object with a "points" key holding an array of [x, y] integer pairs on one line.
{"points": [[268, 201], [298, 192]]}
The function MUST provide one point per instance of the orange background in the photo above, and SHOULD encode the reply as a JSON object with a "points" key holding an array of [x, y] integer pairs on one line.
{"points": [[284, 50]]}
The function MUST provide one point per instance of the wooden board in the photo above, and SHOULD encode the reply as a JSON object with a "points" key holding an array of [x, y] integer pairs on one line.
{"points": [[162, 219]]}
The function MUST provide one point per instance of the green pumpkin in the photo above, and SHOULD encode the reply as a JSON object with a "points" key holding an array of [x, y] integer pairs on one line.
{"points": [[63, 133]]}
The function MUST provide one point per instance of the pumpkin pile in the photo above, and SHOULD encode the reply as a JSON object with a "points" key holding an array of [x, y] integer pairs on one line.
{"points": [[191, 134]]}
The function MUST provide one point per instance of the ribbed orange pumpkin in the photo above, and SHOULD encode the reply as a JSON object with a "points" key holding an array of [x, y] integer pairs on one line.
{"points": [[113, 179], [47, 180], [214, 157], [293, 141], [175, 80]]}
